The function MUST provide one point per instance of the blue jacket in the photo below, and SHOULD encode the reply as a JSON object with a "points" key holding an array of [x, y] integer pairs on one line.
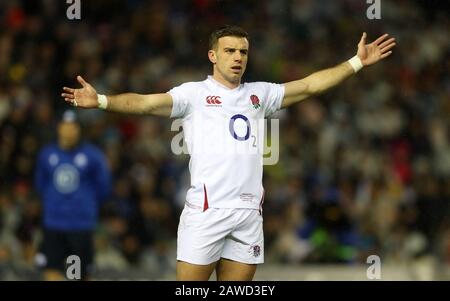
{"points": [[72, 185]]}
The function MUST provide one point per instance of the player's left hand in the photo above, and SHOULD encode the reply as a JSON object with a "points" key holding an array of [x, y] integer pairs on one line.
{"points": [[377, 50]]}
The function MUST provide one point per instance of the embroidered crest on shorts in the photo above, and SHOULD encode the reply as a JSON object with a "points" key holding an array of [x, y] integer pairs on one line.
{"points": [[256, 251]]}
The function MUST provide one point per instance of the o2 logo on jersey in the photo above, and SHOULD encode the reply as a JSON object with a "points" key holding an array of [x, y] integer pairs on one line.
{"points": [[66, 178], [232, 129], [249, 136]]}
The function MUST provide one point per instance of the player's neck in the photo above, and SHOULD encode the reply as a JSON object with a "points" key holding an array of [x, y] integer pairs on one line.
{"points": [[221, 80], [67, 145]]}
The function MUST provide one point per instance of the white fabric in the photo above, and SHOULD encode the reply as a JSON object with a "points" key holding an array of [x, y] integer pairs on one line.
{"points": [[206, 236], [226, 164]]}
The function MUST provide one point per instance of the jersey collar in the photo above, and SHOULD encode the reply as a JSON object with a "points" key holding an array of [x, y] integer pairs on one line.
{"points": [[216, 83]]}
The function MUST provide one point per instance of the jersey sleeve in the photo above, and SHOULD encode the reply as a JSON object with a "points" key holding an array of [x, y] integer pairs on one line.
{"points": [[180, 97], [274, 98]]}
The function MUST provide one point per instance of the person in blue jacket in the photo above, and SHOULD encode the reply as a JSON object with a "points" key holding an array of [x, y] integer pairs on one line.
{"points": [[72, 178]]}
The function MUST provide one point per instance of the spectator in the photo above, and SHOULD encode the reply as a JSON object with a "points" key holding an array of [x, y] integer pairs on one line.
{"points": [[72, 178]]}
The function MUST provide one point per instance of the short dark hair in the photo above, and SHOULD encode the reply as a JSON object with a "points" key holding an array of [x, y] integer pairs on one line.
{"points": [[226, 31]]}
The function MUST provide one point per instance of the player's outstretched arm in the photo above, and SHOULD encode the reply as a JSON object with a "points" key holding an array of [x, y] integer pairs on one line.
{"points": [[323, 80], [87, 97]]}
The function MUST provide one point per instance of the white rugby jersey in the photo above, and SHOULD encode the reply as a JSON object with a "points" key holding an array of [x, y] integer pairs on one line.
{"points": [[224, 134]]}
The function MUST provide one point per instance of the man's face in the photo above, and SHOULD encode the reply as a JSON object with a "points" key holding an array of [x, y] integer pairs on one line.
{"points": [[68, 134], [230, 58]]}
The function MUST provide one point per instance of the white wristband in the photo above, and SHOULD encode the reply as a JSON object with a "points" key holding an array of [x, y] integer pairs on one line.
{"points": [[356, 63], [102, 101]]}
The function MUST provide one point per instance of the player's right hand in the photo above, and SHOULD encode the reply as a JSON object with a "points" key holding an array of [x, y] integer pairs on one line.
{"points": [[85, 97]]}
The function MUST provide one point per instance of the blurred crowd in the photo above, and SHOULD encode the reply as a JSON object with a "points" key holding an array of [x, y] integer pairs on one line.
{"points": [[364, 169]]}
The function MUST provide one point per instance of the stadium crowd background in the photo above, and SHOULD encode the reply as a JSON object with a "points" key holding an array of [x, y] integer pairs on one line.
{"points": [[364, 169]]}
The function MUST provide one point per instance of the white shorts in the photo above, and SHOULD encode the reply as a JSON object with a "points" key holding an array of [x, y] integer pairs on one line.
{"points": [[231, 233]]}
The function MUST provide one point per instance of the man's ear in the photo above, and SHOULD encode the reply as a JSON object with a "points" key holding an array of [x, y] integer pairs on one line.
{"points": [[212, 56]]}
